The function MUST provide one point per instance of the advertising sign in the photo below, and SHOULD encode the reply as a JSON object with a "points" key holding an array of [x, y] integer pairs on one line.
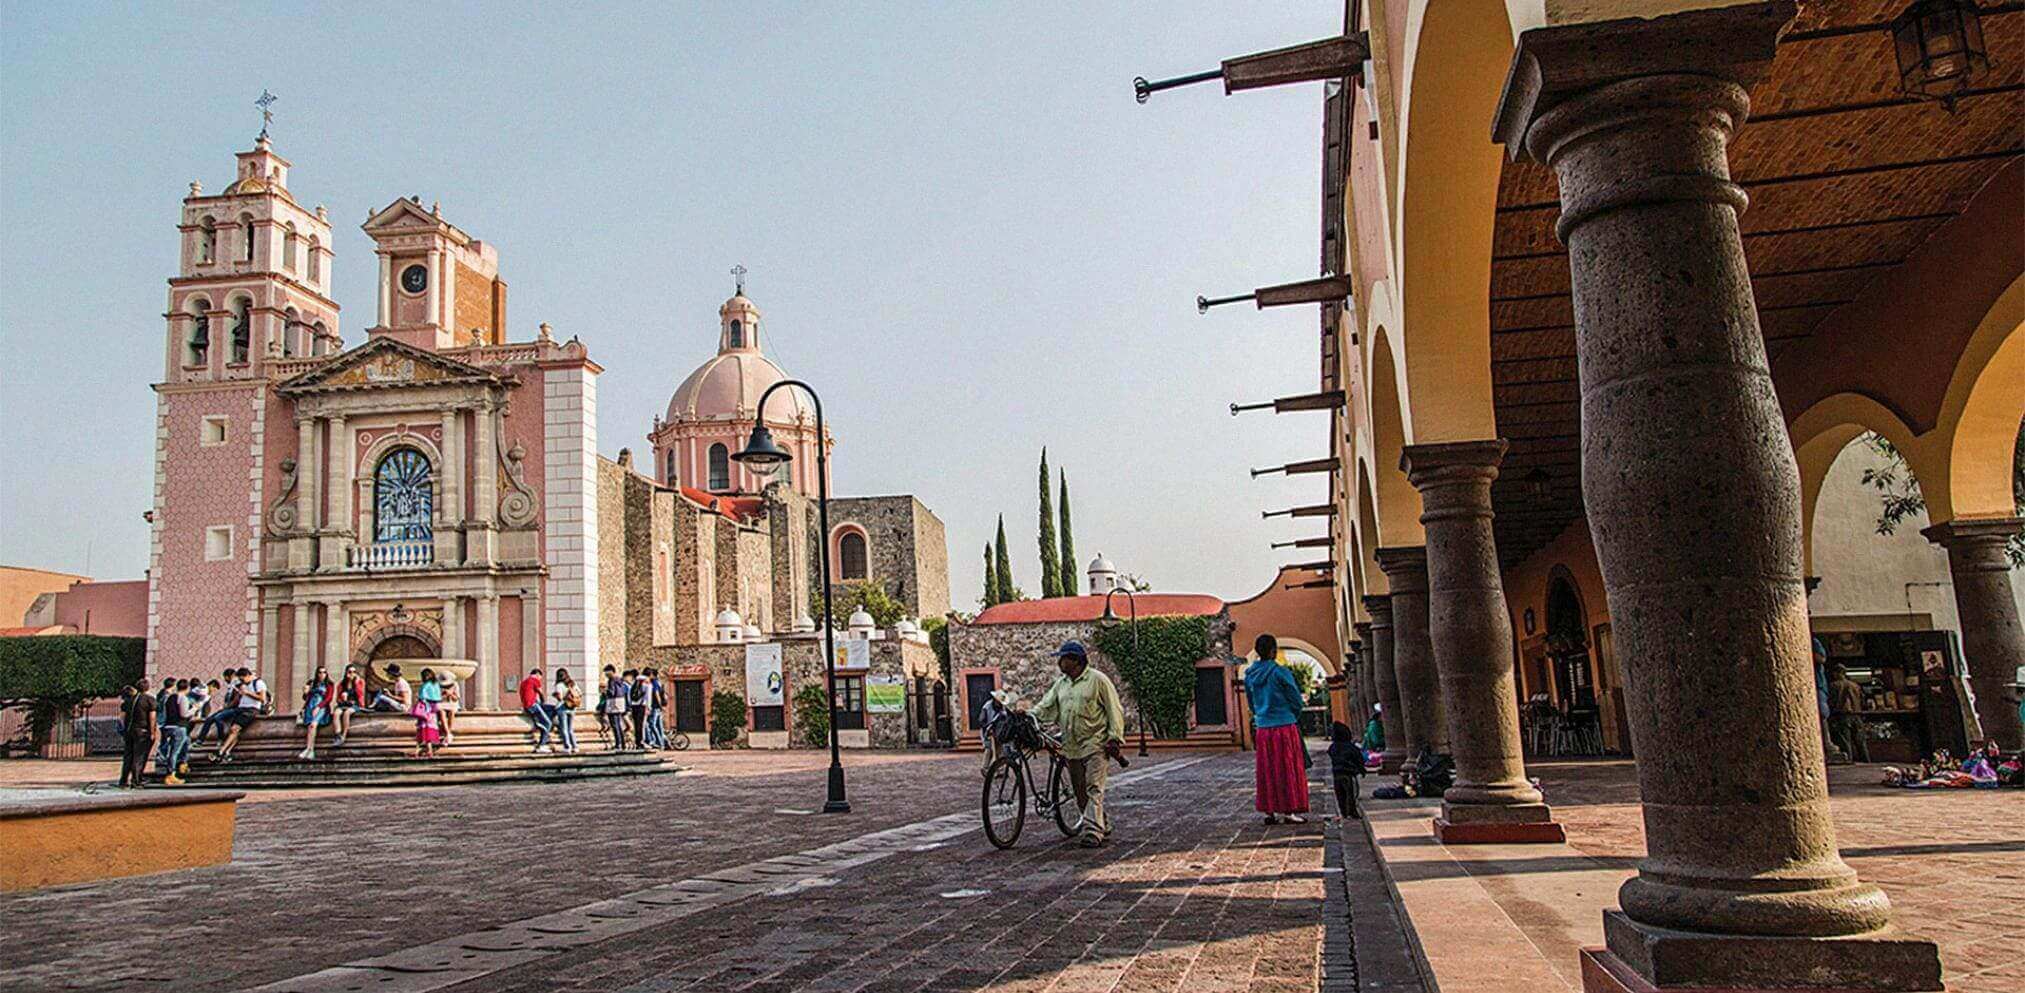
{"points": [[854, 654], [763, 682], [885, 695]]}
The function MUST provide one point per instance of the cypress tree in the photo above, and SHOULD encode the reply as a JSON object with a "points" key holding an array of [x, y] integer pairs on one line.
{"points": [[1051, 572], [1069, 571], [990, 579], [1005, 582]]}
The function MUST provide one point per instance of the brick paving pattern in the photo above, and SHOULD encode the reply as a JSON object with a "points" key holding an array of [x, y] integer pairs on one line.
{"points": [[1952, 861], [1193, 895]]}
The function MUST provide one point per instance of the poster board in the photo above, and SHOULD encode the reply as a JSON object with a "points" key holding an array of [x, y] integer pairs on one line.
{"points": [[764, 684], [854, 655], [885, 695]]}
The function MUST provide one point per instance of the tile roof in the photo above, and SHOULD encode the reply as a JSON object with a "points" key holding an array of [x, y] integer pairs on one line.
{"points": [[1090, 608]]}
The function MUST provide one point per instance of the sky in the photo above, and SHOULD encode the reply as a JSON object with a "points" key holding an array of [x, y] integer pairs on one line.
{"points": [[959, 225]]}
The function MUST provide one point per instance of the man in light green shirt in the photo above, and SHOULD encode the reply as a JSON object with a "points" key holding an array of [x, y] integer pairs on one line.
{"points": [[1084, 704]]}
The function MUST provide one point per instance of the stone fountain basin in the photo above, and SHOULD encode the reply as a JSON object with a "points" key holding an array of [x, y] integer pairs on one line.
{"points": [[411, 669]]}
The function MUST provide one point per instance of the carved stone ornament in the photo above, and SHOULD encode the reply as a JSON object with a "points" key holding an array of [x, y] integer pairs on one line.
{"points": [[516, 501], [281, 513]]}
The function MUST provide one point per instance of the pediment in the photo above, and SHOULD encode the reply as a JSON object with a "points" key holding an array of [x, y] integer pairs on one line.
{"points": [[403, 214], [385, 362]]}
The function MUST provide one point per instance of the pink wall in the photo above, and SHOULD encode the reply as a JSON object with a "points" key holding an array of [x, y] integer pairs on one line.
{"points": [[202, 621], [118, 609]]}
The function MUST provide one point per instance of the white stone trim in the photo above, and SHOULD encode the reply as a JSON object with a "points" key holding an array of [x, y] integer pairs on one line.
{"points": [[256, 442], [160, 520], [570, 520]]}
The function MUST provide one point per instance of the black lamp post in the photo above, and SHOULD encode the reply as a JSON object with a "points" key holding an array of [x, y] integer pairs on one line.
{"points": [[1110, 619], [761, 452]]}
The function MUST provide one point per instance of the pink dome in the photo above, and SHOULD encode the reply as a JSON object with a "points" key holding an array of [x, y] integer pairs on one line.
{"points": [[727, 387]]}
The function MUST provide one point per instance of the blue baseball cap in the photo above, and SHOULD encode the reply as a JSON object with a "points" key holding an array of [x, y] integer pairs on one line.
{"points": [[1072, 649]]}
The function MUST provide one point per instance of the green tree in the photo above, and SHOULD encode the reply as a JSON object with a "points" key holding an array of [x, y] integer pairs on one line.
{"points": [[1899, 494], [57, 675], [885, 608], [990, 597], [1051, 571], [1069, 570], [1161, 674], [812, 717], [1004, 561]]}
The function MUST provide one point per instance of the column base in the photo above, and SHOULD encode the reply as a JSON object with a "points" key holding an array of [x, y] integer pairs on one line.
{"points": [[1391, 761], [1643, 959], [1497, 824]]}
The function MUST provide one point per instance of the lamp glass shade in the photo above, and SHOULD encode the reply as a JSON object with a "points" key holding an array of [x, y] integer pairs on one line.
{"points": [[761, 452], [1940, 49], [1110, 618]]}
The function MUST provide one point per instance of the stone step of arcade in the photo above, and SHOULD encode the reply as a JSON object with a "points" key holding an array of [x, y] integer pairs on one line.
{"points": [[444, 770]]}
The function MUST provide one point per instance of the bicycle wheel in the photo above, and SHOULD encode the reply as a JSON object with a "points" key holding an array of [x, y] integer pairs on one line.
{"points": [[1005, 803], [680, 742], [1062, 792]]}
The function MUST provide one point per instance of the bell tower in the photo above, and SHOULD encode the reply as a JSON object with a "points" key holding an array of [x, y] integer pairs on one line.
{"points": [[253, 282], [439, 287]]}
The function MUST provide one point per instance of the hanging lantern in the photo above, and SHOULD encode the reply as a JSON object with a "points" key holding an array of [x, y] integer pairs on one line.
{"points": [[1940, 49]]}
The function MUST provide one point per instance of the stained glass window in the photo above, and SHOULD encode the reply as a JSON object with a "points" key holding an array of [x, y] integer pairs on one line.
{"points": [[403, 500]]}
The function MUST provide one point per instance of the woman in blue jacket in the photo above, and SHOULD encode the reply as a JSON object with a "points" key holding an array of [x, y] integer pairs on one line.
{"points": [[1279, 762]]}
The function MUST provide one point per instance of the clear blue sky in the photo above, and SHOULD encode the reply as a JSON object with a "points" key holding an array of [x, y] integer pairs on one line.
{"points": [[957, 221]]}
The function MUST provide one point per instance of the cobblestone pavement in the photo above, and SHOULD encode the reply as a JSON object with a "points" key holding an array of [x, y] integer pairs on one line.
{"points": [[1952, 861], [1193, 895]]}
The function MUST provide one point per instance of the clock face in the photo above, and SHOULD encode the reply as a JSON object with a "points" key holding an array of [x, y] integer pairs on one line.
{"points": [[415, 278]]}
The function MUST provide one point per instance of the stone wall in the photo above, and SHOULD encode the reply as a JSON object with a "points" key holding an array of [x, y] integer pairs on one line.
{"points": [[1024, 657], [906, 550], [802, 665]]}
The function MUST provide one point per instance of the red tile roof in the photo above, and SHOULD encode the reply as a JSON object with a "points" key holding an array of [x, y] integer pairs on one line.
{"points": [[740, 509], [1090, 608]]}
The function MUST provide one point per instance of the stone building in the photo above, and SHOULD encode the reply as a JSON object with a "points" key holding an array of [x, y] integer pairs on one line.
{"points": [[436, 493], [1012, 646]]}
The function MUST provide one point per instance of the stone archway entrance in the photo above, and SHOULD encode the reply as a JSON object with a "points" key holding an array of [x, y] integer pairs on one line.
{"points": [[392, 641]]}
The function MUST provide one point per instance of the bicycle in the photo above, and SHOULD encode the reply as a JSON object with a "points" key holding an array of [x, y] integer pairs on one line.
{"points": [[1007, 783], [678, 740]]}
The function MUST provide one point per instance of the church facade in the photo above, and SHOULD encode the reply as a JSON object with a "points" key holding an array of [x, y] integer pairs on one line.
{"points": [[435, 491]]}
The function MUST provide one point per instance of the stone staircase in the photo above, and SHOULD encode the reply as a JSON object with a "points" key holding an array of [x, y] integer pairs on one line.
{"points": [[491, 746]]}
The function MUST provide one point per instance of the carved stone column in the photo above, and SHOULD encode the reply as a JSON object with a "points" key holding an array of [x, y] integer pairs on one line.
{"points": [[1353, 676], [1693, 499], [1471, 630], [270, 638], [1420, 712], [1385, 674], [479, 533], [488, 651], [309, 472], [1367, 672], [337, 648], [1993, 642], [453, 629], [303, 622], [450, 512], [338, 459]]}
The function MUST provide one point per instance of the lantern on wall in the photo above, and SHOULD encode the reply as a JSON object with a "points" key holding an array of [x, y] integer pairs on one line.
{"points": [[1940, 49]]}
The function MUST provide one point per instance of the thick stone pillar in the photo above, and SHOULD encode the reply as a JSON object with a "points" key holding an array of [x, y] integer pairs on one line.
{"points": [[1993, 642], [488, 675], [1353, 677], [478, 526], [1367, 672], [337, 639], [302, 651], [1385, 675], [1420, 711], [450, 508], [1693, 499], [309, 472], [1471, 631]]}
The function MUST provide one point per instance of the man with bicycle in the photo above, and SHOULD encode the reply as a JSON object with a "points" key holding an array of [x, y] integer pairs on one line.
{"points": [[1083, 703]]}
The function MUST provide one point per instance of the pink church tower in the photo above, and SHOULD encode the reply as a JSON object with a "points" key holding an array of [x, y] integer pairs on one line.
{"points": [[714, 410], [251, 293]]}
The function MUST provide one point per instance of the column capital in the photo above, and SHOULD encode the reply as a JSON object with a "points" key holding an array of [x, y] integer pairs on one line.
{"points": [[1380, 609], [1974, 533], [1452, 461], [1550, 64], [1405, 568], [1363, 629]]}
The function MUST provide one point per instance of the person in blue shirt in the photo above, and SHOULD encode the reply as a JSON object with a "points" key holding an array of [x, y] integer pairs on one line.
{"points": [[1280, 767]]}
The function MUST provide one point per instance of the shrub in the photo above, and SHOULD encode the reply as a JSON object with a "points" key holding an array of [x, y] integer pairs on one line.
{"points": [[812, 717], [1161, 675], [727, 718], [886, 610]]}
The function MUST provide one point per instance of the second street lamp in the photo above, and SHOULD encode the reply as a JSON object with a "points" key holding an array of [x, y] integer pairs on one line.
{"points": [[762, 452], [1110, 619]]}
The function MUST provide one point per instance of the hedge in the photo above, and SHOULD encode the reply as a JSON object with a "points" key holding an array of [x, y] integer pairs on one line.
{"points": [[69, 669], [1161, 678]]}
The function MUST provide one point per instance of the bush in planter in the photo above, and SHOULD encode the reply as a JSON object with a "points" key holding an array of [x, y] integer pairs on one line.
{"points": [[812, 717], [57, 674], [727, 718]]}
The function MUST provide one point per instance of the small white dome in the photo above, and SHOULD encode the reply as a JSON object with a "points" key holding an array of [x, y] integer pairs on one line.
{"points": [[804, 624], [861, 618], [752, 633], [728, 618], [906, 628], [1101, 564]]}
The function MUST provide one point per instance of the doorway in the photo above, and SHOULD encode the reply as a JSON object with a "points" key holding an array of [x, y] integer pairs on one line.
{"points": [[1210, 708], [689, 707]]}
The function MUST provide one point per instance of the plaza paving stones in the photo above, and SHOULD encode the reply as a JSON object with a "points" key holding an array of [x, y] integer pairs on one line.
{"points": [[690, 883], [1952, 862]]}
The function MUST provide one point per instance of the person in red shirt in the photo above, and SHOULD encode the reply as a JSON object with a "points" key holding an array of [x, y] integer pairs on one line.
{"points": [[537, 710]]}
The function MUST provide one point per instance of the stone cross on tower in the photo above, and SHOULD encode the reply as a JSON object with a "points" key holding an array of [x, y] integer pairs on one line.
{"points": [[266, 105], [738, 274]]}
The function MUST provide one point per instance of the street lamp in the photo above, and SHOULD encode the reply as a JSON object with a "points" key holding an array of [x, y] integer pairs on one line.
{"points": [[1110, 619], [762, 453]]}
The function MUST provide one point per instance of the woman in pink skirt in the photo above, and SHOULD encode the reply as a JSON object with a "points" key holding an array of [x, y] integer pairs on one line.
{"points": [[1281, 768]]}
